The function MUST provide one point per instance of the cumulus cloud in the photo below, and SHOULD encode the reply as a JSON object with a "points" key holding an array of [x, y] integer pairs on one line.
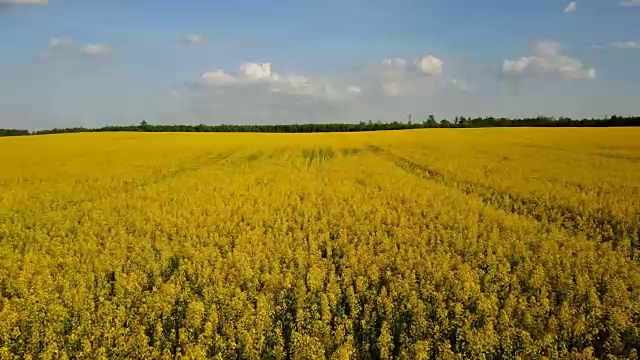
{"points": [[626, 45], [382, 89], [95, 50], [429, 65], [60, 42], [217, 77], [193, 39], [261, 75], [263, 92], [630, 3], [571, 7], [394, 69], [395, 63], [547, 60], [257, 71], [401, 76], [248, 72]]}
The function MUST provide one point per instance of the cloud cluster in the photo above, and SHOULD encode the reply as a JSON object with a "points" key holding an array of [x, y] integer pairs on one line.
{"points": [[400, 76], [217, 77], [572, 7], [427, 65], [430, 65], [262, 92], [395, 64], [259, 91], [385, 88], [247, 73], [547, 60], [261, 75]]}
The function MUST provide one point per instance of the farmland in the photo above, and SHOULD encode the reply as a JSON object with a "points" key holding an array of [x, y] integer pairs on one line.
{"points": [[435, 243]]}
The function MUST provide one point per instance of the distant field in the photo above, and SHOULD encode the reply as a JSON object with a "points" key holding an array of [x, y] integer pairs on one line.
{"points": [[441, 243]]}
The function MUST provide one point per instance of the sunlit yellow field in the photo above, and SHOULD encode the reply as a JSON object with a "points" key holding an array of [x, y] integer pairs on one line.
{"points": [[437, 243]]}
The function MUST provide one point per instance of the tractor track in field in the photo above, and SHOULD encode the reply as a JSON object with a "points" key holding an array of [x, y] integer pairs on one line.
{"points": [[566, 217]]}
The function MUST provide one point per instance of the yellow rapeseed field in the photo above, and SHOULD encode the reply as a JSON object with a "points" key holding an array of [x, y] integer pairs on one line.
{"points": [[422, 244]]}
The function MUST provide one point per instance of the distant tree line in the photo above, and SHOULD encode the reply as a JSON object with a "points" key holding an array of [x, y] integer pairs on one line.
{"points": [[430, 122], [13, 132]]}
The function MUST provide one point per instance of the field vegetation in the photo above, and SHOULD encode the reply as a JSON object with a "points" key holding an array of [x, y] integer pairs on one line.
{"points": [[420, 244]]}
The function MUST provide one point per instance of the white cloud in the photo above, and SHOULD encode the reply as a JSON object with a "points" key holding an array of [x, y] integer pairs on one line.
{"points": [[572, 7], [270, 94], [547, 60], [394, 79], [259, 75], [32, 2], [402, 77], [429, 65], [515, 66], [257, 71], [626, 45], [394, 69], [60, 42], [395, 63], [399, 67], [630, 3], [248, 72], [217, 77], [95, 50], [193, 39]]}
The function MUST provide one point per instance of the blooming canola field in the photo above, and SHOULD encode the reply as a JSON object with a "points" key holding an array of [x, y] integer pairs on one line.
{"points": [[418, 244]]}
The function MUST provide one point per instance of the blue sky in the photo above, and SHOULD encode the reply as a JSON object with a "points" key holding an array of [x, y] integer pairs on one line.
{"points": [[91, 63]]}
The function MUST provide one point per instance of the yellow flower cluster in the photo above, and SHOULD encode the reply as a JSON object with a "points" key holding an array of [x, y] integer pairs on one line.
{"points": [[439, 243]]}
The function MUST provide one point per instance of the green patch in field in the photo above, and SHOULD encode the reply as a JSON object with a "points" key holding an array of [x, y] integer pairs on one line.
{"points": [[318, 154], [351, 151], [253, 156]]}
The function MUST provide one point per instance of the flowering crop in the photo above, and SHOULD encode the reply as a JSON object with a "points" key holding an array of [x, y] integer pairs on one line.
{"points": [[441, 243]]}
